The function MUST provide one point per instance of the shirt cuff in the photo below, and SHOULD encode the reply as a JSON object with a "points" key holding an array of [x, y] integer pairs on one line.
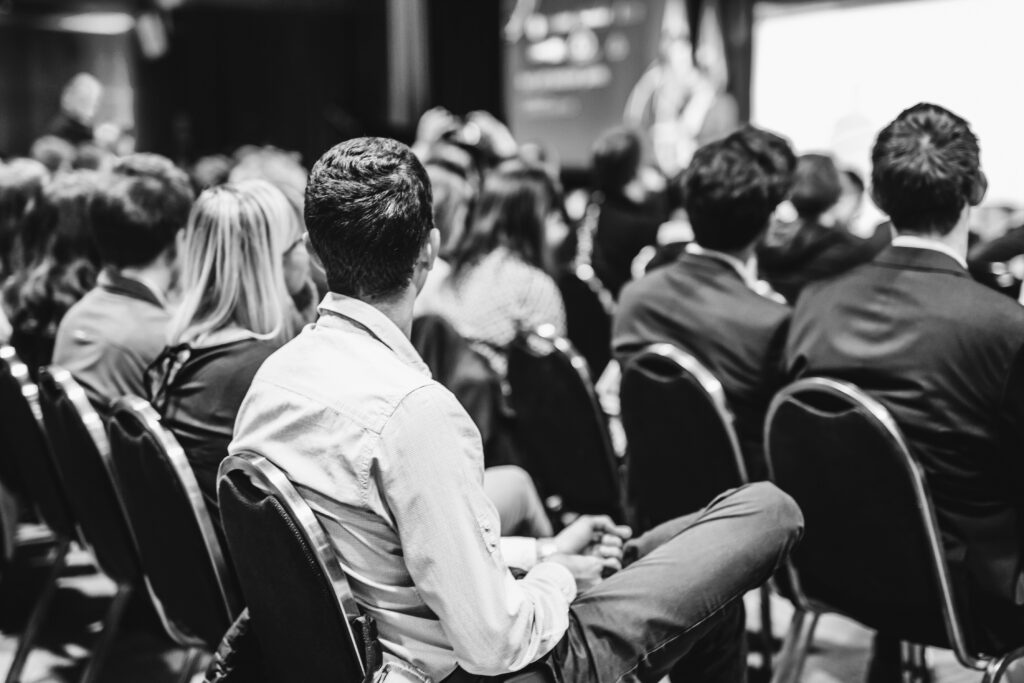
{"points": [[556, 575], [519, 552]]}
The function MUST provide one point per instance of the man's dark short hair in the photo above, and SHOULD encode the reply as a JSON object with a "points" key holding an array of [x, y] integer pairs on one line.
{"points": [[368, 212], [615, 159], [925, 169], [733, 185], [816, 185], [137, 215]]}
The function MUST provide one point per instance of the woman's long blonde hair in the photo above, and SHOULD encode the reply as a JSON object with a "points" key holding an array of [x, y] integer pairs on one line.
{"points": [[232, 272]]}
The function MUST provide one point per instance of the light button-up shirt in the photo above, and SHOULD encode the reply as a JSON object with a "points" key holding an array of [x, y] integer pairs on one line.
{"points": [[393, 468]]}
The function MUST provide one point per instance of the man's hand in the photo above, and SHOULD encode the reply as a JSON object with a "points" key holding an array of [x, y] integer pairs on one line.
{"points": [[595, 535], [588, 570]]}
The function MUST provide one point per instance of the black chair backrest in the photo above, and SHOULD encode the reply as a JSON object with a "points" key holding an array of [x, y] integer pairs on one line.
{"points": [[588, 320], [871, 547], [81, 451], [186, 570], [297, 594], [560, 429], [25, 449], [683, 449]]}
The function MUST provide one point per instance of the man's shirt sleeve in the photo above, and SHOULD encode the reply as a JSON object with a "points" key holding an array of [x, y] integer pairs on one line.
{"points": [[432, 482]]}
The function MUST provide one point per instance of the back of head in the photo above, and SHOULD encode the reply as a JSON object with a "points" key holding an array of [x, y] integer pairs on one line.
{"points": [[368, 213], [511, 212], [55, 153], [138, 214], [453, 202], [733, 185], [816, 185], [21, 183], [615, 160], [926, 169], [232, 262], [280, 168], [81, 97], [60, 227]]}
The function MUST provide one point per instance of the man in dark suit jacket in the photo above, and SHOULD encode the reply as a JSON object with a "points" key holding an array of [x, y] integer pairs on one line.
{"points": [[944, 354], [709, 302]]}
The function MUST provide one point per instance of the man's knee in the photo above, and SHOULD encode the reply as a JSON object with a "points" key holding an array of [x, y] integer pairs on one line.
{"points": [[776, 509], [779, 507]]}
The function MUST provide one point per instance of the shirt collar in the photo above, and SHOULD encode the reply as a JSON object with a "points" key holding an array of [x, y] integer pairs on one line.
{"points": [[746, 270], [378, 325], [135, 288], [919, 242]]}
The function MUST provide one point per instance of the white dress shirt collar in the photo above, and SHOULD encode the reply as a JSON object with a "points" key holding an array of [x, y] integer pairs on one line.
{"points": [[365, 316], [747, 270], [919, 242]]}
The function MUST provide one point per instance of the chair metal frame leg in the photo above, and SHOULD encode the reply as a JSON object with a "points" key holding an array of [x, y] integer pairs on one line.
{"points": [[111, 626], [767, 638], [39, 611], [193, 656], [794, 651], [996, 668], [913, 664]]}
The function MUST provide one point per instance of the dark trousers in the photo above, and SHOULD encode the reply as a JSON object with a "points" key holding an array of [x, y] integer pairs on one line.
{"points": [[677, 607]]}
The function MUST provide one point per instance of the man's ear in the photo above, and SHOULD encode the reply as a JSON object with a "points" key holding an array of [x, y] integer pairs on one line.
{"points": [[314, 259], [430, 249], [978, 189]]}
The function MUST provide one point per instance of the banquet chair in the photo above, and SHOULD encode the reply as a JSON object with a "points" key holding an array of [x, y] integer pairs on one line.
{"points": [[559, 427], [303, 613], [872, 547], [683, 448], [81, 451], [24, 449], [186, 570]]}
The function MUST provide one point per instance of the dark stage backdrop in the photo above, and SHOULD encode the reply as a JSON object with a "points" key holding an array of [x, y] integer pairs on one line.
{"points": [[299, 79]]}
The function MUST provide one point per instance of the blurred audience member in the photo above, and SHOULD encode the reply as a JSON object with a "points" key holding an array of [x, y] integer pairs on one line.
{"points": [[55, 153], [111, 336], [93, 157], [79, 103], [21, 183], [499, 282], [282, 169], [708, 302], [211, 171], [817, 244], [235, 310], [58, 265], [944, 354], [629, 212], [454, 197]]}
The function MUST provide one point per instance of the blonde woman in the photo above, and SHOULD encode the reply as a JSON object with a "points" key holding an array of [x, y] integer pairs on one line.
{"points": [[241, 258]]}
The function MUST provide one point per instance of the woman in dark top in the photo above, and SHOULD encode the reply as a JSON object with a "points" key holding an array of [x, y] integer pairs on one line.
{"points": [[238, 262]]}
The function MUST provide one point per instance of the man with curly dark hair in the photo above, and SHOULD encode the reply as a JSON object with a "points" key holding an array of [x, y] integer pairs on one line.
{"points": [[709, 301], [943, 353]]}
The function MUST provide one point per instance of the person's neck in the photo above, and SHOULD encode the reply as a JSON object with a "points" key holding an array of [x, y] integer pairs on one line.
{"points": [[956, 239], [398, 309], [156, 275]]}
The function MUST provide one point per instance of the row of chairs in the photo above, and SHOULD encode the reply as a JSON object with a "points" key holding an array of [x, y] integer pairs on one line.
{"points": [[872, 547], [126, 492]]}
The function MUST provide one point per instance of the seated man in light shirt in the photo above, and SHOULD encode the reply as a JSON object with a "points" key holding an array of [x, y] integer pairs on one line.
{"points": [[392, 466]]}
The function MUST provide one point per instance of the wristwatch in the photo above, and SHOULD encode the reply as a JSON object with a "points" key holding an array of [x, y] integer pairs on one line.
{"points": [[546, 547]]}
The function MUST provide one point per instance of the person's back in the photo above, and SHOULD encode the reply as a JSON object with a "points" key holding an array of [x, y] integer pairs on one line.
{"points": [[708, 301], [236, 309], [944, 354], [109, 338]]}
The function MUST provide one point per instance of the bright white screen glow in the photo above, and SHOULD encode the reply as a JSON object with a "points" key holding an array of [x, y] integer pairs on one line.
{"points": [[830, 77]]}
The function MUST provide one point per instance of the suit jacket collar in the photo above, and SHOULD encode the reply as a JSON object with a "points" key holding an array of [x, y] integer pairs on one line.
{"points": [[926, 260], [116, 283]]}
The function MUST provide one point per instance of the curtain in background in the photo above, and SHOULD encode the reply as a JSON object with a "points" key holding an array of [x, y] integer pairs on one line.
{"points": [[408, 61]]}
